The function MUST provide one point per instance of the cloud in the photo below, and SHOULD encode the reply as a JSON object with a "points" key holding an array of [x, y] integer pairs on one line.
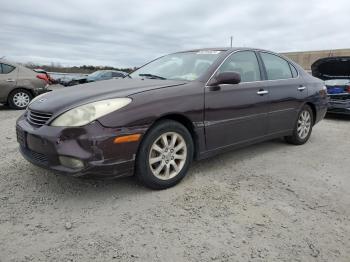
{"points": [[129, 33]]}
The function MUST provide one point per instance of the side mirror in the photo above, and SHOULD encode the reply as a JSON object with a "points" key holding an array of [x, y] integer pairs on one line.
{"points": [[231, 78]]}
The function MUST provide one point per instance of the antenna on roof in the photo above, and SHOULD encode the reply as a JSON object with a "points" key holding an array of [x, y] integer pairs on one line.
{"points": [[231, 38]]}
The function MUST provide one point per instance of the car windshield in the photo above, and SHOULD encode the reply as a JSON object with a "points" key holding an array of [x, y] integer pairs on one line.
{"points": [[337, 82], [179, 66]]}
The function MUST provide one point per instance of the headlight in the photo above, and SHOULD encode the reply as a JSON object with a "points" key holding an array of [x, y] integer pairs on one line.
{"points": [[85, 114]]}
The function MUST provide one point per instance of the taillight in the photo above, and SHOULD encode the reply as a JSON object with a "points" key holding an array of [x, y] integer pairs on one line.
{"points": [[323, 91], [43, 77], [347, 89]]}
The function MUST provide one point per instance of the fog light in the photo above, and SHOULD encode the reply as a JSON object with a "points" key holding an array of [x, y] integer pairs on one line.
{"points": [[71, 162]]}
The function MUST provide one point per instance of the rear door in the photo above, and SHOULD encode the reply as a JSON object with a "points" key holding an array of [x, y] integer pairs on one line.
{"points": [[237, 113], [8, 79], [286, 92]]}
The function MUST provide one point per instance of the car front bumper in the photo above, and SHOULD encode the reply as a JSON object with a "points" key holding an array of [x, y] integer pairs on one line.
{"points": [[91, 145], [339, 104]]}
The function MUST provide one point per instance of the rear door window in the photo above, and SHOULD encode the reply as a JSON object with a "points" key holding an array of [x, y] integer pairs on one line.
{"points": [[276, 67], [115, 74], [5, 69], [107, 75]]}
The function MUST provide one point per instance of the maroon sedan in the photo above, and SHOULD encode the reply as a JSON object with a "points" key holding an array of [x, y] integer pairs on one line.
{"points": [[179, 107]]}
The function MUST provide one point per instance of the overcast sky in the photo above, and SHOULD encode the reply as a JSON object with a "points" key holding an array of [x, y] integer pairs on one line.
{"points": [[128, 33]]}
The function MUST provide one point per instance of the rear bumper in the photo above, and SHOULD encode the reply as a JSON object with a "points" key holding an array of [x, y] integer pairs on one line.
{"points": [[339, 106], [92, 145], [41, 90]]}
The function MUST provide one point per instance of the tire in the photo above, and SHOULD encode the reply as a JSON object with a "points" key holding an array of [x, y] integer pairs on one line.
{"points": [[19, 99], [162, 172], [304, 122]]}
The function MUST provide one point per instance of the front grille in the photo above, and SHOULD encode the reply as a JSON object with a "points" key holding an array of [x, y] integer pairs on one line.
{"points": [[38, 118], [38, 158]]}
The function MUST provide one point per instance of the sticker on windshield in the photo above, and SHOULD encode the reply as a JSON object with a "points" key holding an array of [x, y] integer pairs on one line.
{"points": [[208, 52]]}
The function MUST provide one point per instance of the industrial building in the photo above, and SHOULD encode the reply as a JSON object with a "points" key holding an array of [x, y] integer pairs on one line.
{"points": [[325, 64]]}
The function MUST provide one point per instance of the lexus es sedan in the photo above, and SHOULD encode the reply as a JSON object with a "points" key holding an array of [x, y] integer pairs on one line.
{"points": [[180, 107], [19, 85]]}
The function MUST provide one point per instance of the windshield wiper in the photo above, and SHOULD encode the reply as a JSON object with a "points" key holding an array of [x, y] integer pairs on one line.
{"points": [[153, 76]]}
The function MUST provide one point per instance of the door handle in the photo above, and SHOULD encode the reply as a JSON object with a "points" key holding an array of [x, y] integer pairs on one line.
{"points": [[262, 92], [10, 80], [214, 88], [301, 88]]}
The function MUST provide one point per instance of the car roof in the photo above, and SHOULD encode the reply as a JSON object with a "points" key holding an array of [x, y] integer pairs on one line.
{"points": [[4, 61], [224, 49]]}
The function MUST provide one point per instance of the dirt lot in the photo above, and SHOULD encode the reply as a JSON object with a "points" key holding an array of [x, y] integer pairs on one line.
{"points": [[268, 202]]}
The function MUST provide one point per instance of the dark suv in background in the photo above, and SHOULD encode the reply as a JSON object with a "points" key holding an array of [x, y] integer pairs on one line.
{"points": [[19, 85], [339, 95]]}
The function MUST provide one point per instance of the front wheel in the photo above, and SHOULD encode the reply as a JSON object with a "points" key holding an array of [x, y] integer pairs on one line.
{"points": [[303, 127], [165, 155]]}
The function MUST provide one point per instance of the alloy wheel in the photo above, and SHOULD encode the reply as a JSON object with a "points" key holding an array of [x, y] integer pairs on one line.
{"points": [[304, 124], [167, 155]]}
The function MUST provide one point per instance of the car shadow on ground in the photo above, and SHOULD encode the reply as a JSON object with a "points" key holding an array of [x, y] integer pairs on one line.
{"points": [[126, 186], [5, 107], [338, 117]]}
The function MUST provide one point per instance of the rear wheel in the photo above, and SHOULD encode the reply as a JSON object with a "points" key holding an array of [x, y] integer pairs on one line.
{"points": [[19, 99], [303, 127], [165, 155]]}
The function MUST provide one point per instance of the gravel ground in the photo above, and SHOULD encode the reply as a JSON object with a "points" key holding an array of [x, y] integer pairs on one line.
{"points": [[267, 202]]}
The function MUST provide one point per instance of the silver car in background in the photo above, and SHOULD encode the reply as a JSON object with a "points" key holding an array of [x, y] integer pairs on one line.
{"points": [[19, 85]]}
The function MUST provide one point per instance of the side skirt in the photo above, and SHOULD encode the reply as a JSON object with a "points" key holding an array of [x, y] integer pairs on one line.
{"points": [[213, 152]]}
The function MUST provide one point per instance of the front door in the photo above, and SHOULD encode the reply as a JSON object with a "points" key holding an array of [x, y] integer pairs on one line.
{"points": [[236, 114]]}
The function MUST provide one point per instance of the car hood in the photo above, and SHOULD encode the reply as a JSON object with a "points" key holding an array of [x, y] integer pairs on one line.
{"points": [[70, 97]]}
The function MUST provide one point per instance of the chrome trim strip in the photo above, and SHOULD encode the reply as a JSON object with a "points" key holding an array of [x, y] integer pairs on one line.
{"points": [[211, 123], [282, 110]]}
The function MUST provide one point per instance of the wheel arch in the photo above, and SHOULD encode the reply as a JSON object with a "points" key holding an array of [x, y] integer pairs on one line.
{"points": [[186, 122], [313, 108], [21, 88], [30, 91]]}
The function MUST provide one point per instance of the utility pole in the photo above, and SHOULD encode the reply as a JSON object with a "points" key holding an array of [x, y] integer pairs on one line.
{"points": [[231, 40]]}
